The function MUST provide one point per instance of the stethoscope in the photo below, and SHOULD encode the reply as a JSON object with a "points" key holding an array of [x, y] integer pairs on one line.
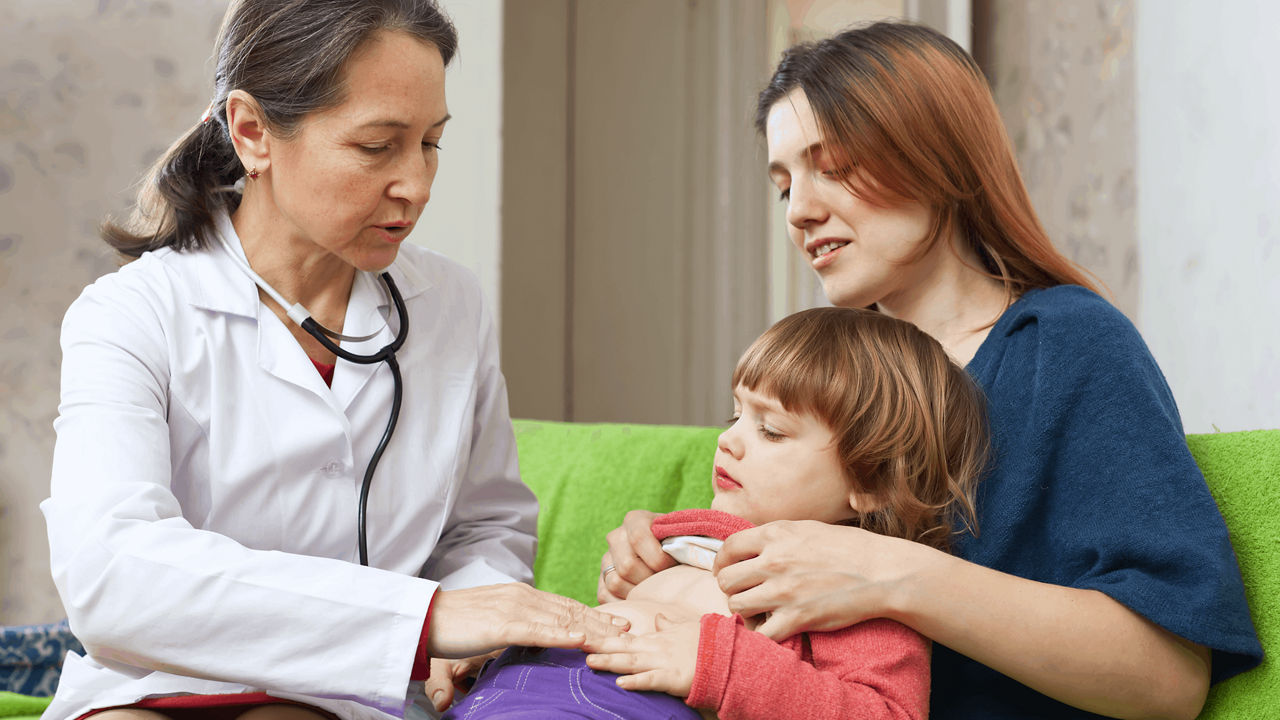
{"points": [[326, 337]]}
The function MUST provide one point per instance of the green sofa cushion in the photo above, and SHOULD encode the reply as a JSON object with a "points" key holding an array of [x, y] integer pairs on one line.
{"points": [[587, 476], [1243, 472], [21, 707]]}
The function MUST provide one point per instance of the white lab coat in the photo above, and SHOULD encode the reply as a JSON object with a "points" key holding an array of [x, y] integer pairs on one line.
{"points": [[202, 516]]}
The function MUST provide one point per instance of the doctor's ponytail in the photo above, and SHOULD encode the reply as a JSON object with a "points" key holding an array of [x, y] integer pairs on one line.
{"points": [[289, 57]]}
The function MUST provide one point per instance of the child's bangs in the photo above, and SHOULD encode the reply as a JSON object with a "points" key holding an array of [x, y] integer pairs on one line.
{"points": [[798, 365]]}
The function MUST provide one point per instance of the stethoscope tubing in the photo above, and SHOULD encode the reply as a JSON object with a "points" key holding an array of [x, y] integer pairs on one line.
{"points": [[388, 355], [323, 335]]}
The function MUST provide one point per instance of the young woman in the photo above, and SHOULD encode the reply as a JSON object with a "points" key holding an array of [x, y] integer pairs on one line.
{"points": [[1102, 556], [215, 463], [841, 416]]}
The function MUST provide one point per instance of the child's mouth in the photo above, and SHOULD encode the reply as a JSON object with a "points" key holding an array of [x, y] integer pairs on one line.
{"points": [[725, 481]]}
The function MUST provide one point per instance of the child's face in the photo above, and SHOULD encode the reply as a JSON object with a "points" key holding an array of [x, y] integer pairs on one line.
{"points": [[777, 465]]}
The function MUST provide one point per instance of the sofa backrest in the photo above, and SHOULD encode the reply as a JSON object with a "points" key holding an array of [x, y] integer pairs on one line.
{"points": [[1243, 472], [587, 476]]}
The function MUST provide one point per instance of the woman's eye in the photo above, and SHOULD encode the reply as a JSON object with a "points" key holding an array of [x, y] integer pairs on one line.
{"points": [[428, 145], [840, 172], [374, 149]]}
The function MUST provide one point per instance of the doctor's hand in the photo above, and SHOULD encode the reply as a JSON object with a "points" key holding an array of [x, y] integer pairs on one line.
{"points": [[633, 555], [811, 576], [474, 621]]}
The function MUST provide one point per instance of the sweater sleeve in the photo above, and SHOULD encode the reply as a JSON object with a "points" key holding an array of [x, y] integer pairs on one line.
{"points": [[1093, 485], [878, 669]]}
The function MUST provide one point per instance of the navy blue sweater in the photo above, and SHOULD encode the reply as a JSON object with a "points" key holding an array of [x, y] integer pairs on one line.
{"points": [[1091, 486]]}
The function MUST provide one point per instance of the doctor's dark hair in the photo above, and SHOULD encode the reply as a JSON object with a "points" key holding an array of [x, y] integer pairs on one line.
{"points": [[910, 424], [909, 115], [289, 55]]}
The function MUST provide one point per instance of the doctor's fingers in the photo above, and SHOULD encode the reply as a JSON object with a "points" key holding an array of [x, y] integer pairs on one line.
{"points": [[477, 620], [550, 620]]}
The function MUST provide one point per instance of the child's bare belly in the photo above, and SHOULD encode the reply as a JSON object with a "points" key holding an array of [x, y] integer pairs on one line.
{"points": [[681, 593]]}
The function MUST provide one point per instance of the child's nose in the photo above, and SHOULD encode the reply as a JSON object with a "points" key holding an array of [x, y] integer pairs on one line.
{"points": [[730, 443]]}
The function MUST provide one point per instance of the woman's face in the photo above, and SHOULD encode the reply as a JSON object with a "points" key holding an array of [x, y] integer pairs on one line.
{"points": [[864, 253], [772, 464], [355, 177]]}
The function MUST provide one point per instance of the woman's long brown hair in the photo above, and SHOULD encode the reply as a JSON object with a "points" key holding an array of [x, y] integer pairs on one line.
{"points": [[909, 424], [910, 114]]}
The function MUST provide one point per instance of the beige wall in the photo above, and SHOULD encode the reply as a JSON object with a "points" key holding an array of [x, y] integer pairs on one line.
{"points": [[1209, 207], [634, 219], [1063, 75], [90, 94]]}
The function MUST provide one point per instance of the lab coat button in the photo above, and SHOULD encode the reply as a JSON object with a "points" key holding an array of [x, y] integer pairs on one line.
{"points": [[333, 468]]}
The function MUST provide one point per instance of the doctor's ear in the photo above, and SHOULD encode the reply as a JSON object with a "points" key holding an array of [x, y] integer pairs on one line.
{"points": [[248, 129]]}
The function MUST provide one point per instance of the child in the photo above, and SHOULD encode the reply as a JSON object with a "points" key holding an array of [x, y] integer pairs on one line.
{"points": [[842, 416]]}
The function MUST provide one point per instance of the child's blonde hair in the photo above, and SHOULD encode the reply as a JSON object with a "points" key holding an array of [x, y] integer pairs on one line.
{"points": [[910, 424]]}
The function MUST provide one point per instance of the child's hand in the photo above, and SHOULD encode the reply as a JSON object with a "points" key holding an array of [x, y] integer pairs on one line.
{"points": [[447, 677], [663, 661]]}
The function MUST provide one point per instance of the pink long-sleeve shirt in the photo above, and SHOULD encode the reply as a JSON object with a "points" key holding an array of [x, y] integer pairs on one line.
{"points": [[875, 669]]}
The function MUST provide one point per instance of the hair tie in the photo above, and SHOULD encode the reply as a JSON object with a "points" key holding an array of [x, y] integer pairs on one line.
{"points": [[208, 112]]}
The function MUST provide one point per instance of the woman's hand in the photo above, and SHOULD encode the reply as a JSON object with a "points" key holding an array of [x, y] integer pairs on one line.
{"points": [[447, 676], [1077, 646], [663, 661], [809, 576], [470, 622], [633, 555]]}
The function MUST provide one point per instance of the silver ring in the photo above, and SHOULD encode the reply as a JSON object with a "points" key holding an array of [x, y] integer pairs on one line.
{"points": [[608, 569]]}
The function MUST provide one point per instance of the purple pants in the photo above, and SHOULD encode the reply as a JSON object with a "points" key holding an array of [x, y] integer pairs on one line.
{"points": [[542, 684]]}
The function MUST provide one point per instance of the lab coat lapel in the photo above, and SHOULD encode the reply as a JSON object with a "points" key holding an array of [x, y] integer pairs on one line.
{"points": [[278, 352], [281, 355], [219, 285]]}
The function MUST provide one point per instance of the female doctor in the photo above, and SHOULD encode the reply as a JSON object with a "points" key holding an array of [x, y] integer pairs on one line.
{"points": [[210, 515]]}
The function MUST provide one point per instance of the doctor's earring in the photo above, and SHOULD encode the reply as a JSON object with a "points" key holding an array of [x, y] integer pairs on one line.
{"points": [[253, 173]]}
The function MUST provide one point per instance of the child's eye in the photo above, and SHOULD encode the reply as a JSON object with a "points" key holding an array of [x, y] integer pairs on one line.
{"points": [[732, 419], [785, 195], [770, 434]]}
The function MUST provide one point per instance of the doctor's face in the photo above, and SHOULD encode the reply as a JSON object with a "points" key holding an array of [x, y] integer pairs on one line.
{"points": [[355, 177], [864, 252]]}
